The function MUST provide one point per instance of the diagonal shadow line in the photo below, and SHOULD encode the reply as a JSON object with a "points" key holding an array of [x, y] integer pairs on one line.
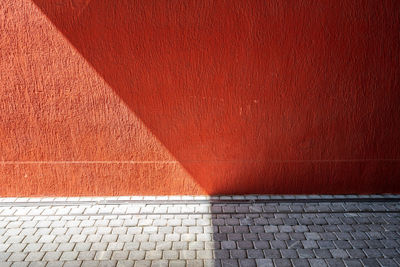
{"points": [[120, 77], [155, 85], [123, 94]]}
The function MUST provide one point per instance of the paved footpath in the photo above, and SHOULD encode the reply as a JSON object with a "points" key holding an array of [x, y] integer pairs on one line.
{"points": [[201, 231]]}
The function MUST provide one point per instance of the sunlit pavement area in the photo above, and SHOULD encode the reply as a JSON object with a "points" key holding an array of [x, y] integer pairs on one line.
{"points": [[253, 230]]}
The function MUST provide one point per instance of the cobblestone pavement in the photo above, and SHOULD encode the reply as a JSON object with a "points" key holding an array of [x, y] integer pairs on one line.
{"points": [[196, 231]]}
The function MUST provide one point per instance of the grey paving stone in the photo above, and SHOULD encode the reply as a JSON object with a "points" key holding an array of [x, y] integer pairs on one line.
{"points": [[369, 262], [250, 236], [16, 247], [187, 254], [306, 253], [281, 263], [69, 256], [289, 253], [66, 247], [180, 229], [109, 238], [271, 228], [103, 255], [278, 244], [264, 262], [16, 239], [42, 264], [372, 253], [82, 246], [335, 262], [163, 263], [76, 238], [387, 263], [322, 253], [147, 246], [391, 235], [47, 239], [58, 239], [282, 236], [272, 253], [256, 229], [300, 263], [241, 229], [205, 254], [235, 237], [34, 256], [48, 247], [229, 263], [180, 245], [304, 221], [195, 245], [358, 244], [342, 244], [255, 253], [115, 246], [352, 263], [355, 253], [203, 237], [307, 244], [294, 244], [86, 255], [20, 264], [99, 246], [165, 245], [317, 263], [261, 245], [359, 235], [136, 255], [33, 247], [120, 255], [316, 228], [388, 243], [221, 253], [108, 263], [390, 252], [339, 253], [285, 228], [328, 236], [70, 231], [170, 254], [17, 256], [247, 263], [228, 245], [326, 244], [52, 256], [297, 236], [374, 235], [244, 244], [177, 263], [90, 263]]}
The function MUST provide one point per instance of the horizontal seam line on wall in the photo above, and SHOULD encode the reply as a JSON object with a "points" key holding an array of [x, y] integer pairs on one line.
{"points": [[199, 202], [194, 161]]}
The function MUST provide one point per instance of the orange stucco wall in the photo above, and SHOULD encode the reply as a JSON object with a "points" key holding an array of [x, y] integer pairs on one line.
{"points": [[199, 97]]}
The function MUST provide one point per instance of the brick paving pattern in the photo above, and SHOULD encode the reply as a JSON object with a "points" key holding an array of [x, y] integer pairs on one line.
{"points": [[201, 231]]}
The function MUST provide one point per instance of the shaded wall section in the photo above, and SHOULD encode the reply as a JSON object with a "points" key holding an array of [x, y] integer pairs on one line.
{"points": [[199, 97]]}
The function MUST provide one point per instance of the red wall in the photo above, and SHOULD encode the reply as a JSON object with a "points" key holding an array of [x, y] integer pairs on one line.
{"points": [[199, 97]]}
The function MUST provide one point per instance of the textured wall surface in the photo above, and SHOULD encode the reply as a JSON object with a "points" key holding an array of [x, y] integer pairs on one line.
{"points": [[199, 97]]}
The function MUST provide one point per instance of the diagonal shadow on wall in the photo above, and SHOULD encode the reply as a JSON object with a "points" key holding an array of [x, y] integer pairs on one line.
{"points": [[208, 79], [172, 75]]}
